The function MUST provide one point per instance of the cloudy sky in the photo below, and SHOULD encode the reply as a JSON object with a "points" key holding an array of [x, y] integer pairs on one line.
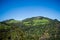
{"points": [[21, 9]]}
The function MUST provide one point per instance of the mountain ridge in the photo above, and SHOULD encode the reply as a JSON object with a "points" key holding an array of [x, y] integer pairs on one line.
{"points": [[31, 18]]}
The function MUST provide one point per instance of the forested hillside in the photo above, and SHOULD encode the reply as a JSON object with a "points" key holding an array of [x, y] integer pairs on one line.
{"points": [[35, 28]]}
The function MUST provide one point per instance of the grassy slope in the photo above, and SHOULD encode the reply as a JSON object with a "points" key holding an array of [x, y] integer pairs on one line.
{"points": [[35, 28]]}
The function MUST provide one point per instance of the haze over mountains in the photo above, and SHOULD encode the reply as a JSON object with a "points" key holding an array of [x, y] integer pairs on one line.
{"points": [[35, 28]]}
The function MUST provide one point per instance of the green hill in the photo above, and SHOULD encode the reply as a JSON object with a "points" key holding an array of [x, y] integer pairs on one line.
{"points": [[35, 28]]}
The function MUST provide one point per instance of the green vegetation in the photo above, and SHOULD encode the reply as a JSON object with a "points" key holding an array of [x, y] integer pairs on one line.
{"points": [[35, 28]]}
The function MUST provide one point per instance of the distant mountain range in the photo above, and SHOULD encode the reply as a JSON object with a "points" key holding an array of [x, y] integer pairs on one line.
{"points": [[35, 28]]}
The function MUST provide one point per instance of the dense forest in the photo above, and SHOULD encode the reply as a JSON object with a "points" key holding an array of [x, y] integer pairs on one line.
{"points": [[35, 28]]}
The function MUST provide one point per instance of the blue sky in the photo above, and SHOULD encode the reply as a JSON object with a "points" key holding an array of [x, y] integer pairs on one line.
{"points": [[21, 9]]}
